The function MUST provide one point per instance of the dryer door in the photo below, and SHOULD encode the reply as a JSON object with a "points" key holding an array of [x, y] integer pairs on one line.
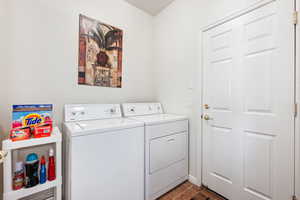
{"points": [[168, 150]]}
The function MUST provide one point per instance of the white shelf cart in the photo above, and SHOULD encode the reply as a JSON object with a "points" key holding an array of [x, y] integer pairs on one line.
{"points": [[19, 148]]}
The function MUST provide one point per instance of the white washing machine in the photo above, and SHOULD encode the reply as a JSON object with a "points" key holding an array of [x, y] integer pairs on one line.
{"points": [[166, 147], [103, 154]]}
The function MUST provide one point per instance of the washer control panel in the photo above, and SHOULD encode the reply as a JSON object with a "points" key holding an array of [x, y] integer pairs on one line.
{"points": [[80, 112]]}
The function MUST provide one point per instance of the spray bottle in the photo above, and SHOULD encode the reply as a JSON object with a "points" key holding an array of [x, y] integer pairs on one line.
{"points": [[51, 166]]}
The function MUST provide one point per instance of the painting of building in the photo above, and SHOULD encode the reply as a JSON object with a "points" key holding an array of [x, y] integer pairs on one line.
{"points": [[100, 54]]}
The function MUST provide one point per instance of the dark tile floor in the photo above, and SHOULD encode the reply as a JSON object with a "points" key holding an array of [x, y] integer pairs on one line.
{"points": [[189, 191]]}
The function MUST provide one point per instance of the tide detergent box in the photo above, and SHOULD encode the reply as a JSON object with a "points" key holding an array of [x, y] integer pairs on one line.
{"points": [[31, 115]]}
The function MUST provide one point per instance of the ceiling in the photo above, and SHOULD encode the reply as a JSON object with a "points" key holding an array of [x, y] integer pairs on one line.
{"points": [[153, 7]]}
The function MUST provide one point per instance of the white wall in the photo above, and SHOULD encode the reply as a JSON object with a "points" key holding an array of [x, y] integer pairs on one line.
{"points": [[4, 60], [44, 52], [4, 80], [177, 54]]}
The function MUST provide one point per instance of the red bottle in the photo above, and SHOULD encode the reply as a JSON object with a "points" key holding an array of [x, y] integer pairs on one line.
{"points": [[51, 166]]}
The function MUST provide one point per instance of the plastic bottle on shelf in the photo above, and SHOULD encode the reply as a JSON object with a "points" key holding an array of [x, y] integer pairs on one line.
{"points": [[18, 179], [51, 166], [32, 170], [43, 172]]}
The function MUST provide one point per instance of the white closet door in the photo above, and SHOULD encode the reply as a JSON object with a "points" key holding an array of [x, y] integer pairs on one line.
{"points": [[219, 132], [249, 89]]}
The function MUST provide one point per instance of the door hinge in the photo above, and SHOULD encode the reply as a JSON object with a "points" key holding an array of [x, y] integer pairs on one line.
{"points": [[295, 198], [295, 17], [295, 109]]}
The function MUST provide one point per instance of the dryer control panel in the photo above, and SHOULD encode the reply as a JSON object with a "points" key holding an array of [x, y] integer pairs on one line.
{"points": [[137, 109], [81, 112]]}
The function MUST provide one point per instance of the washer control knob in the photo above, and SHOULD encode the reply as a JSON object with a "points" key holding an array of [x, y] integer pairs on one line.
{"points": [[112, 110]]}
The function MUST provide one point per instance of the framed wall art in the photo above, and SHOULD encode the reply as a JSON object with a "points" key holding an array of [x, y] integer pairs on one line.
{"points": [[100, 53]]}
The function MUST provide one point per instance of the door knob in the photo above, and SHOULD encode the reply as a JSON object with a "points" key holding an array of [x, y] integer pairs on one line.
{"points": [[206, 106], [2, 156], [207, 117]]}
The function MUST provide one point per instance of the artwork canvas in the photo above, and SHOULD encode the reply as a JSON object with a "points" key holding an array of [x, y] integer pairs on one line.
{"points": [[100, 53]]}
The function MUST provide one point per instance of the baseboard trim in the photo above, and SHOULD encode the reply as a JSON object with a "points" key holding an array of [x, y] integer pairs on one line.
{"points": [[193, 180]]}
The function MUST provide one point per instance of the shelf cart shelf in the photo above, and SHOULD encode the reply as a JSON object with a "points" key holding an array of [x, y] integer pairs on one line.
{"points": [[9, 146]]}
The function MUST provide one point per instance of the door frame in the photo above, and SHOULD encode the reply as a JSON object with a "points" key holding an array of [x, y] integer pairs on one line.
{"points": [[297, 100], [238, 13]]}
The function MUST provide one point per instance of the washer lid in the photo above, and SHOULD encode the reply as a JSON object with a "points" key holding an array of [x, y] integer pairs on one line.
{"points": [[158, 119], [81, 128]]}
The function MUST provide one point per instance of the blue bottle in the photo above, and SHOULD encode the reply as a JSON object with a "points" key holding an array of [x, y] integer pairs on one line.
{"points": [[43, 171]]}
